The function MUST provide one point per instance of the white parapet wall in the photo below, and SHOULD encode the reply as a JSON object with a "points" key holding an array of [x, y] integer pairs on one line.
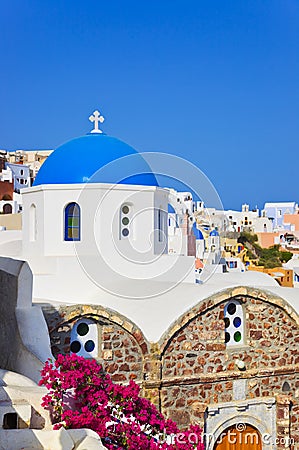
{"points": [[24, 338], [62, 439]]}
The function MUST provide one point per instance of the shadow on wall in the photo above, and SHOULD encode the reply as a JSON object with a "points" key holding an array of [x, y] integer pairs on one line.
{"points": [[24, 339], [62, 439]]}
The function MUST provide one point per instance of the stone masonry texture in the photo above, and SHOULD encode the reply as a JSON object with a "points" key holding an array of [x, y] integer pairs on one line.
{"points": [[191, 367]]}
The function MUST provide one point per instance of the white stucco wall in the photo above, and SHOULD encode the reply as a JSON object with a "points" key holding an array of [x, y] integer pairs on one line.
{"points": [[100, 207]]}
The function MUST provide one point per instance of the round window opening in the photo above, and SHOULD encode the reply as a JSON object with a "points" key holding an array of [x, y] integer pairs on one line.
{"points": [[125, 221], [237, 336], [75, 347], [226, 322], [227, 337], [237, 322], [125, 209], [231, 309], [82, 329], [125, 232], [89, 346]]}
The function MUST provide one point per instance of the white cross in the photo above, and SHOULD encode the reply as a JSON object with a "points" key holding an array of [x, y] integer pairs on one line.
{"points": [[96, 117]]}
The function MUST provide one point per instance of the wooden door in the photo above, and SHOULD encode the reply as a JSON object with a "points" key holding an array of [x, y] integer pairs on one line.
{"points": [[239, 437]]}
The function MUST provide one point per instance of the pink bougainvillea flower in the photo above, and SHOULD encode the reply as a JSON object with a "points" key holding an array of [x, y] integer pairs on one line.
{"points": [[82, 395]]}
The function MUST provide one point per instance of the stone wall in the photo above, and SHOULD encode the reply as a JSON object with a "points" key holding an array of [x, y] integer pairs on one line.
{"points": [[191, 368], [121, 354], [198, 369], [272, 340], [121, 344]]}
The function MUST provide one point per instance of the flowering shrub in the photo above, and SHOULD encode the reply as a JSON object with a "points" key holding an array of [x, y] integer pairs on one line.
{"points": [[81, 395]]}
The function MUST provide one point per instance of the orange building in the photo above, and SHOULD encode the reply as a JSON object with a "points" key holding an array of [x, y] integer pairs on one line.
{"points": [[283, 276], [292, 219], [266, 240]]}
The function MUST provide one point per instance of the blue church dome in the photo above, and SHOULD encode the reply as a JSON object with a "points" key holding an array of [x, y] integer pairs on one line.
{"points": [[214, 233], [197, 233], [93, 159]]}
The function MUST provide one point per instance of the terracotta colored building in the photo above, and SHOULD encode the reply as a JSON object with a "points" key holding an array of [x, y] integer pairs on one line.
{"points": [[266, 240], [6, 190], [292, 219]]}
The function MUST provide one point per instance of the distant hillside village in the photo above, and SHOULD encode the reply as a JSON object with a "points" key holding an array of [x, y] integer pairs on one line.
{"points": [[17, 170], [196, 305], [235, 241]]}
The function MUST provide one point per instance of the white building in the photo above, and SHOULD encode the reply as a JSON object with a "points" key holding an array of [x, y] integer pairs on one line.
{"points": [[293, 264], [241, 220], [181, 237], [275, 211], [6, 175], [262, 225]]}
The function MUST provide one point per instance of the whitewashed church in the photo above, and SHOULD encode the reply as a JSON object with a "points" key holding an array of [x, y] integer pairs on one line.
{"points": [[99, 280]]}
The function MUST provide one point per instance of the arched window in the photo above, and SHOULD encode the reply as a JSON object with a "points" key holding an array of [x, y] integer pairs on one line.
{"points": [[234, 323], [160, 225], [7, 208], [84, 338], [33, 225], [72, 222]]}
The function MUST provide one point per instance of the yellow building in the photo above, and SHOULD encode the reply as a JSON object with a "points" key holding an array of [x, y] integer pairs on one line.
{"points": [[231, 247], [283, 276]]}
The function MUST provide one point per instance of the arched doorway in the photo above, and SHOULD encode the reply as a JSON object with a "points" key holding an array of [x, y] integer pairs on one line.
{"points": [[239, 437], [7, 208], [7, 197]]}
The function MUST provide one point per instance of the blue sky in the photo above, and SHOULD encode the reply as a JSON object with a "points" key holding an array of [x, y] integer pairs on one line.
{"points": [[215, 82]]}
